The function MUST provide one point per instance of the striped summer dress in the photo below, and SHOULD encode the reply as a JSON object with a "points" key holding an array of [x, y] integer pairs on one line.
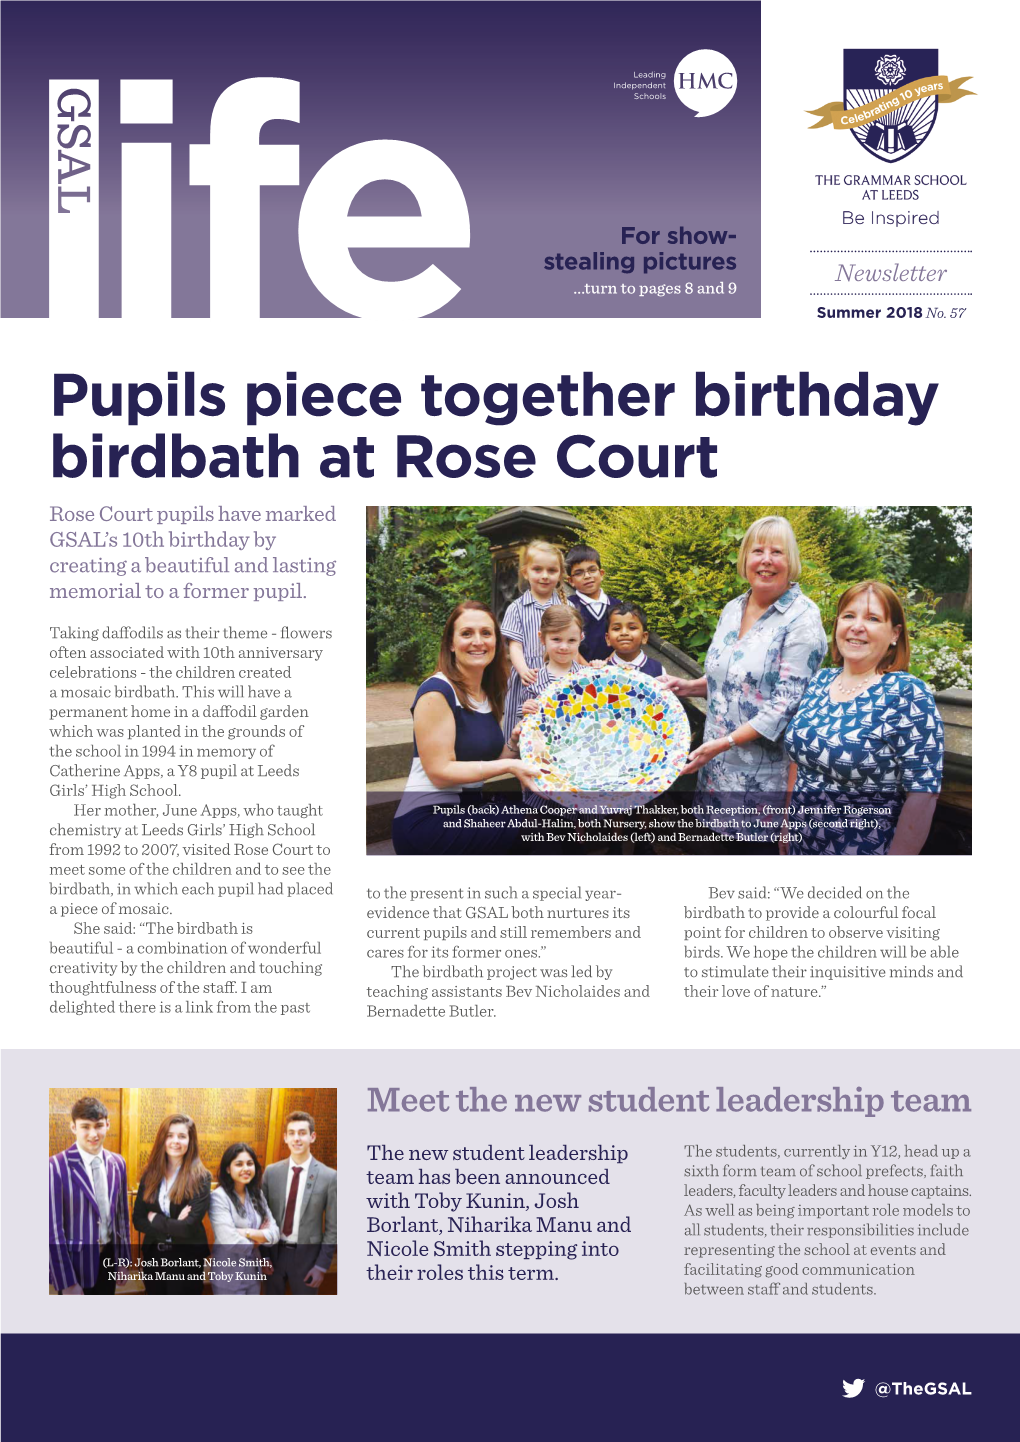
{"points": [[537, 799], [520, 623]]}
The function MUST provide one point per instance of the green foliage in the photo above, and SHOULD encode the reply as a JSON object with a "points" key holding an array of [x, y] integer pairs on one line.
{"points": [[938, 542], [943, 659], [402, 640], [962, 618], [940, 649], [893, 551], [851, 545], [421, 563]]}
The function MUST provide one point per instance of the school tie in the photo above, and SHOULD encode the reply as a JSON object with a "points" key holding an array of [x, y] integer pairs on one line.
{"points": [[102, 1197], [288, 1216]]}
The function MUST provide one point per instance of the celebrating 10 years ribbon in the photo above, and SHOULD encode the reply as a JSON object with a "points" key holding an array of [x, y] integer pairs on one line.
{"points": [[944, 90]]}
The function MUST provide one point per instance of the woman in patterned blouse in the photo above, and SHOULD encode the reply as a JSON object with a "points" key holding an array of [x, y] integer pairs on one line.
{"points": [[866, 745], [767, 646]]}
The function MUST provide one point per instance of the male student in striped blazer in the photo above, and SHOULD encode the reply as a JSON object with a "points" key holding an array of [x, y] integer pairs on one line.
{"points": [[90, 1239]]}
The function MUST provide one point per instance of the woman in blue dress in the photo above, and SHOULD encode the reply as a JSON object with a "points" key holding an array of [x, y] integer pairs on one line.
{"points": [[458, 746], [767, 646], [866, 745]]}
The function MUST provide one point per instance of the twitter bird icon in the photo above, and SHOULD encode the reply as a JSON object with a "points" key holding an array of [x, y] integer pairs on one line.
{"points": [[853, 1389]]}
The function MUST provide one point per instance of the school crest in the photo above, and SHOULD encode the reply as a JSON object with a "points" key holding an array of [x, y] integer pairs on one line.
{"points": [[871, 75], [891, 99]]}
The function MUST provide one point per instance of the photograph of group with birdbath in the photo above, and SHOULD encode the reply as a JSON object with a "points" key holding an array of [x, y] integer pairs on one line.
{"points": [[788, 681]]}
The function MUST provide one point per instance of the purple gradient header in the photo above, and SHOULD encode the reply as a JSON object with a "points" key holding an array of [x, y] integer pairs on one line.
{"points": [[532, 107]]}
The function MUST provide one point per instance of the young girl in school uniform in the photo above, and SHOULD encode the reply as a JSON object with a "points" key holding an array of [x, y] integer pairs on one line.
{"points": [[541, 574], [561, 633]]}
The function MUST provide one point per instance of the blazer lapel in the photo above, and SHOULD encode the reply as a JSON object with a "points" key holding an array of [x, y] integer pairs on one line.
{"points": [[80, 1178], [313, 1168], [280, 1186], [112, 1181], [276, 1190]]}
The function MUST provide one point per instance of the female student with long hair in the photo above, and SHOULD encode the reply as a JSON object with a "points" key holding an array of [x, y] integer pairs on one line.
{"points": [[242, 1223], [172, 1200]]}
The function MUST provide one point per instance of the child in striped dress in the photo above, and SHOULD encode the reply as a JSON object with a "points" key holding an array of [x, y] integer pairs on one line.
{"points": [[561, 633], [541, 572]]}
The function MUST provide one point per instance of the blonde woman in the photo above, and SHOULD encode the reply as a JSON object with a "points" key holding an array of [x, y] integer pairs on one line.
{"points": [[767, 646]]}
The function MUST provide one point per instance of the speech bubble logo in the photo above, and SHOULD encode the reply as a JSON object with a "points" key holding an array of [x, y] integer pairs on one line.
{"points": [[705, 81]]}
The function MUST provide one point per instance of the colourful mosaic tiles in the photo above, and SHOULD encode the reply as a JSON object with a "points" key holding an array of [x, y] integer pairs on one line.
{"points": [[612, 732]]}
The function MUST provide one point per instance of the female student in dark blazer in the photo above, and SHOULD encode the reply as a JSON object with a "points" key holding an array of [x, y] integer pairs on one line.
{"points": [[172, 1200]]}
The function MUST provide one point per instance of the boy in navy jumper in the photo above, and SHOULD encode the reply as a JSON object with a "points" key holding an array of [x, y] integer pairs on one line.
{"points": [[585, 574], [627, 635]]}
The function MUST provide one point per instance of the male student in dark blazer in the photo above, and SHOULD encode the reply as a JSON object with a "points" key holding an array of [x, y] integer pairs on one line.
{"points": [[90, 1240], [301, 1194]]}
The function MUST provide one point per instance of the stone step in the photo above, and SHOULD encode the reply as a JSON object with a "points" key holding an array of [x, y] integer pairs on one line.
{"points": [[382, 798], [389, 746], [381, 801]]}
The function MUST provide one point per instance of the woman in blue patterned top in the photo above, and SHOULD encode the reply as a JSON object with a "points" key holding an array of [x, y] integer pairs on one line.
{"points": [[867, 743], [767, 646]]}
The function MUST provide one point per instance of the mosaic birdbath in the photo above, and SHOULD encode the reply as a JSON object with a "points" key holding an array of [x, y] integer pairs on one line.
{"points": [[608, 738]]}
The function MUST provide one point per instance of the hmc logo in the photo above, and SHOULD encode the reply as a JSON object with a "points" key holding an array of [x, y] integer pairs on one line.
{"points": [[705, 81]]}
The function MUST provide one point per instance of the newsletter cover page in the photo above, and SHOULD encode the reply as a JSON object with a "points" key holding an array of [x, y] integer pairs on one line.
{"points": [[508, 511]]}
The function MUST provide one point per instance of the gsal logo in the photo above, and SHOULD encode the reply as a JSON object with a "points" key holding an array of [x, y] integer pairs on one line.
{"points": [[235, 165], [893, 98]]}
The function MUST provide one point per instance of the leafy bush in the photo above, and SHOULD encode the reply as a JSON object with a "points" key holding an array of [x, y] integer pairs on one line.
{"points": [[422, 562], [401, 632], [938, 541], [942, 664], [940, 650], [960, 618], [893, 551], [852, 545]]}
